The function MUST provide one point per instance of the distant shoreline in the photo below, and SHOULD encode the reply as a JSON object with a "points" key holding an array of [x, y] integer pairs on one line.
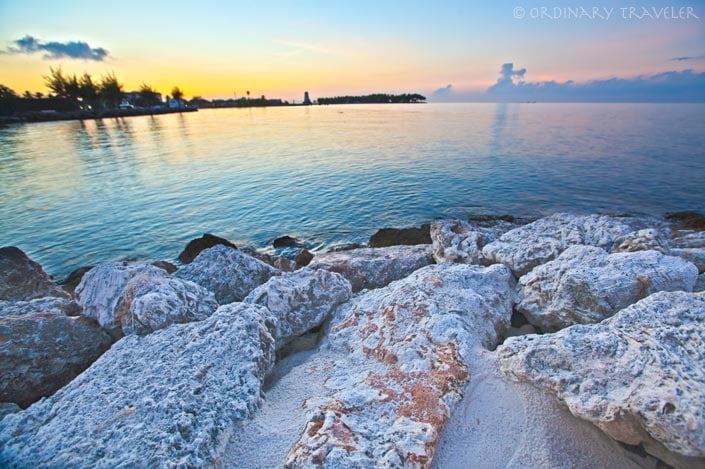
{"points": [[40, 116]]}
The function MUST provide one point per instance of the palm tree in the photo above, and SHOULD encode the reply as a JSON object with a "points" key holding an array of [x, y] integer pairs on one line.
{"points": [[148, 96], [110, 90], [177, 93]]}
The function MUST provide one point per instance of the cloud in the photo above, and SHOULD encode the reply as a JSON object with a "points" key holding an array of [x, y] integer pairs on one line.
{"points": [[686, 57], [442, 93], [672, 86], [57, 50]]}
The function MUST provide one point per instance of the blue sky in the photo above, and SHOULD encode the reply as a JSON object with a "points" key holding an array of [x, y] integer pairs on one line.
{"points": [[277, 48]]}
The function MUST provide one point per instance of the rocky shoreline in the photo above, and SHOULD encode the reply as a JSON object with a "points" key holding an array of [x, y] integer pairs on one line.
{"points": [[567, 341]]}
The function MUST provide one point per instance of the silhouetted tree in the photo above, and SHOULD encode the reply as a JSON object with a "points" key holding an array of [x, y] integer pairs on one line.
{"points": [[56, 82], [177, 93], [148, 96], [87, 91], [8, 97], [38, 95], [110, 90]]}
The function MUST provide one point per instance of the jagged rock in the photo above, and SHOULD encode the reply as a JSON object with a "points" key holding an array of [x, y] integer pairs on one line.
{"points": [[462, 242], [301, 300], [690, 245], [195, 246], [638, 375], [74, 279], [278, 262], [527, 246], [374, 267], [167, 399], [407, 349], [230, 274], [585, 284], [687, 220], [700, 284], [8, 408], [694, 255], [401, 236], [285, 242], [166, 266], [23, 279], [131, 298], [303, 258], [648, 239], [42, 349]]}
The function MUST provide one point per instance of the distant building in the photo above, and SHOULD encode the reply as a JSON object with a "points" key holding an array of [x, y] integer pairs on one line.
{"points": [[307, 100], [176, 104]]}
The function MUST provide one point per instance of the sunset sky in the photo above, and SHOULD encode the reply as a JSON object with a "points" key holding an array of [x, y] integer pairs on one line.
{"points": [[279, 49]]}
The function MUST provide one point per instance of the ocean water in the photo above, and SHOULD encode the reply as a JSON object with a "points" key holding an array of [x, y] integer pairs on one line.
{"points": [[77, 193]]}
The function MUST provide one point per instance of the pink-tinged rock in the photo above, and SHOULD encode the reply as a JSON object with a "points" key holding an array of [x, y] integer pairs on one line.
{"points": [[639, 375], [230, 274], [407, 350], [42, 349], [23, 279], [129, 298], [585, 284], [375, 267], [301, 300], [459, 241]]}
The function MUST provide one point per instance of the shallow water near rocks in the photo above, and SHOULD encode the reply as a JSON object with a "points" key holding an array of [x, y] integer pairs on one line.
{"points": [[78, 193]]}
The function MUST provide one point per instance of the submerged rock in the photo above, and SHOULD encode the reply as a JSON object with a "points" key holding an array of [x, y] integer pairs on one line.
{"points": [[407, 349], [167, 399], [42, 349], [303, 258], [230, 274], [687, 220], [374, 267], [286, 242], [195, 246], [166, 266], [585, 284], [23, 279], [128, 298], [401, 236], [525, 247], [638, 375], [301, 300]]}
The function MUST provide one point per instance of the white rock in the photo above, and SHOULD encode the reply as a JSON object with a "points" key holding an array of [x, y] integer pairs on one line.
{"points": [[638, 375], [407, 349], [167, 399], [649, 239], [459, 241], [689, 239], [530, 245], [301, 300], [694, 255], [375, 267], [585, 284], [700, 284], [230, 274]]}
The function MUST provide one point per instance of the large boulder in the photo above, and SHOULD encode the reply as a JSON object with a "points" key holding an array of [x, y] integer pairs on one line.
{"points": [[401, 236], [527, 246], [42, 349], [230, 274], [195, 246], [690, 245], [130, 298], [23, 279], [74, 278], [278, 262], [639, 375], [301, 300], [585, 284], [167, 399], [407, 350], [462, 242], [374, 267]]}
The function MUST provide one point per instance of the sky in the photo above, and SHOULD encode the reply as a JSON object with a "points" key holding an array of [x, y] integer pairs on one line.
{"points": [[447, 50]]}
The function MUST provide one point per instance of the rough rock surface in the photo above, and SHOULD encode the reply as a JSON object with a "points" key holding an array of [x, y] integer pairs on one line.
{"points": [[42, 349], [23, 279], [700, 284], [195, 246], [648, 239], [687, 220], [230, 274], [140, 298], [167, 399], [638, 375], [303, 257], [401, 236], [585, 284], [408, 347], [527, 246], [8, 408], [278, 262], [166, 266], [74, 279], [462, 242], [374, 267], [301, 300]]}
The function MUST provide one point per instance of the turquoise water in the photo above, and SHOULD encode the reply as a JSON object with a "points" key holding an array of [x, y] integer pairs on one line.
{"points": [[76, 193]]}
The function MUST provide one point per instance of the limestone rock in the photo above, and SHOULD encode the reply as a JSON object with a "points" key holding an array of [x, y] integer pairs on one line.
{"points": [[407, 349], [195, 246], [401, 236], [648, 239], [74, 279], [585, 284], [49, 304], [23, 279], [8, 408], [527, 246], [462, 242], [131, 298], [42, 349], [374, 267], [700, 284], [638, 375], [278, 262], [167, 399], [301, 300]]}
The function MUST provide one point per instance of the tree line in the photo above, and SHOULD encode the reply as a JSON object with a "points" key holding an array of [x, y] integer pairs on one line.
{"points": [[374, 98]]}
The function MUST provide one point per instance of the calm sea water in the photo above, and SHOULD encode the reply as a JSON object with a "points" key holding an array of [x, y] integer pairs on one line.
{"points": [[76, 193]]}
